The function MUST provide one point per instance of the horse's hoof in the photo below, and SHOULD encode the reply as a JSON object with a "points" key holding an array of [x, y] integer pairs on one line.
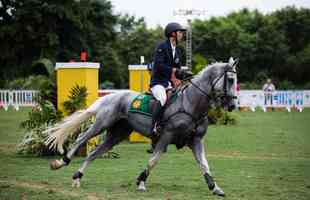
{"points": [[218, 191], [141, 187], [76, 183], [55, 164]]}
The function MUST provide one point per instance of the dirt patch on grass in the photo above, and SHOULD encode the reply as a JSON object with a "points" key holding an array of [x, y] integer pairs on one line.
{"points": [[8, 148], [45, 186], [240, 156]]}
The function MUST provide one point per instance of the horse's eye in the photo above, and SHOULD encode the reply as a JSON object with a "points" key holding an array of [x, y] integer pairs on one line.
{"points": [[230, 80]]}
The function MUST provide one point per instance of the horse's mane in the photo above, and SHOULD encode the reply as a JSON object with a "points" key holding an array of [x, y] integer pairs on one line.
{"points": [[208, 68]]}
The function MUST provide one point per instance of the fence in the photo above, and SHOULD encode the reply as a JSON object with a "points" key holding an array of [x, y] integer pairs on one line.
{"points": [[246, 98], [17, 98], [278, 99]]}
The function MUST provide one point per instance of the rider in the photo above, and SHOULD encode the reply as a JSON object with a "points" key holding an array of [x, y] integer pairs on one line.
{"points": [[166, 64]]}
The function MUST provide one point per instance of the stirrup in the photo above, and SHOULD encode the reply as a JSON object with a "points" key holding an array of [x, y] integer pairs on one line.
{"points": [[157, 129]]}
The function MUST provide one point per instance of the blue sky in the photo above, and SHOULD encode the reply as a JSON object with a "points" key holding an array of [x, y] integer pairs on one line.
{"points": [[161, 11]]}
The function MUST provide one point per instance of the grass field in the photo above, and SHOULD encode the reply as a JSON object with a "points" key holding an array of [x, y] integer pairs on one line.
{"points": [[266, 157]]}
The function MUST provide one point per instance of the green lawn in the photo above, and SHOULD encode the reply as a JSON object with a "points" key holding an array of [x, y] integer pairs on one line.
{"points": [[266, 156]]}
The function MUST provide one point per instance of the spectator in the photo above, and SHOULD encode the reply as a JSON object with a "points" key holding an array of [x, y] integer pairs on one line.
{"points": [[268, 89]]}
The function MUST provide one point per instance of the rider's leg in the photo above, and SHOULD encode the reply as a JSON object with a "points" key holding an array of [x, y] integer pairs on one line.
{"points": [[157, 112], [160, 95]]}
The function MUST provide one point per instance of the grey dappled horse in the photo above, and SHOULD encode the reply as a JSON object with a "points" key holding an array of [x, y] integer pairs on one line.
{"points": [[184, 122]]}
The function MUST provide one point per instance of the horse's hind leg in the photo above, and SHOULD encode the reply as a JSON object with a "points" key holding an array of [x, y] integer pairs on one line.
{"points": [[100, 123], [118, 132], [82, 139]]}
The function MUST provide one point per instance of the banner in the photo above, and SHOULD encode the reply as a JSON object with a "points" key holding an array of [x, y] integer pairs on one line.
{"points": [[279, 98]]}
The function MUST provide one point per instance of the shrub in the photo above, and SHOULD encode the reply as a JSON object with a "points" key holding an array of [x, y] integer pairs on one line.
{"points": [[286, 85], [228, 118], [307, 86], [219, 116], [45, 115], [31, 83], [77, 99], [39, 119]]}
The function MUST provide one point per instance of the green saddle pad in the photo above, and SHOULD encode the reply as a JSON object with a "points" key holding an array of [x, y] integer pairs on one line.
{"points": [[141, 104]]}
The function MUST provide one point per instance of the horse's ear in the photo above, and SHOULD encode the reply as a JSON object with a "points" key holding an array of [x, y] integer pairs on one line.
{"points": [[236, 61], [233, 63]]}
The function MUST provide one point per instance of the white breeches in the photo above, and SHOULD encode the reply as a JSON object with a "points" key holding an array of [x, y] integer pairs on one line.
{"points": [[160, 94]]}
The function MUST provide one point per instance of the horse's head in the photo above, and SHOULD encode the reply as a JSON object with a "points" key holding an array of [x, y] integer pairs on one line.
{"points": [[223, 84]]}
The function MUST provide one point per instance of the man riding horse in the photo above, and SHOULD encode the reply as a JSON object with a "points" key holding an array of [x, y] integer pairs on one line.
{"points": [[185, 121], [166, 68]]}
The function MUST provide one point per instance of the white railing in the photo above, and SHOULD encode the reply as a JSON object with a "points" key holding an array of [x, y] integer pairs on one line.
{"points": [[17, 98], [246, 98], [278, 99]]}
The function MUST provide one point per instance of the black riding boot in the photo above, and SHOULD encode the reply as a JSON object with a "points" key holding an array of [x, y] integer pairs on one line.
{"points": [[156, 115], [157, 112]]}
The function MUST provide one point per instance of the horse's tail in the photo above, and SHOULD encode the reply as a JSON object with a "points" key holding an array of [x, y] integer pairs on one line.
{"points": [[58, 133]]}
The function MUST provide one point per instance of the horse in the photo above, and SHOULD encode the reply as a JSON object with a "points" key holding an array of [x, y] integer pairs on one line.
{"points": [[184, 122]]}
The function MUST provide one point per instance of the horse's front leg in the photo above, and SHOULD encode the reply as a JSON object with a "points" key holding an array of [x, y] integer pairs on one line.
{"points": [[159, 149], [200, 156]]}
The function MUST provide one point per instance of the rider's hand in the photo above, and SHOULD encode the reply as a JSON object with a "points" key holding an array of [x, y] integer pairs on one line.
{"points": [[176, 82]]}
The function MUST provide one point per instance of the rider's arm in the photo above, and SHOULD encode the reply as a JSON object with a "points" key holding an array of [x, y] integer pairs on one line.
{"points": [[176, 82], [160, 62]]}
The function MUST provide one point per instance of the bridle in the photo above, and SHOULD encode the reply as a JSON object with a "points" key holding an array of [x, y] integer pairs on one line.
{"points": [[197, 120], [213, 94]]}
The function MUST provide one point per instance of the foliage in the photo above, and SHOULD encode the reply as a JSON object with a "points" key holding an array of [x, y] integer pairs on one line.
{"points": [[33, 143], [43, 66], [286, 85], [228, 119], [219, 116], [199, 63], [77, 99], [43, 114], [275, 45], [39, 118], [307, 86], [251, 86], [107, 85], [30, 83]]}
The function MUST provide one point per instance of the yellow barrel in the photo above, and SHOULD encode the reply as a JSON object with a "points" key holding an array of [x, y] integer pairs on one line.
{"points": [[82, 74], [139, 79]]}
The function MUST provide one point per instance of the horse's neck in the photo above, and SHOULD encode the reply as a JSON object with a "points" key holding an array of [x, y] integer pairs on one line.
{"points": [[197, 101]]}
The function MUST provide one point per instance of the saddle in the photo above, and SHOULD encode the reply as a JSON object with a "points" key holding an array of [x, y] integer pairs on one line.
{"points": [[145, 103]]}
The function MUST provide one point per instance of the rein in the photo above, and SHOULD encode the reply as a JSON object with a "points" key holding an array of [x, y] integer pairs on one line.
{"points": [[213, 85], [202, 117]]}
